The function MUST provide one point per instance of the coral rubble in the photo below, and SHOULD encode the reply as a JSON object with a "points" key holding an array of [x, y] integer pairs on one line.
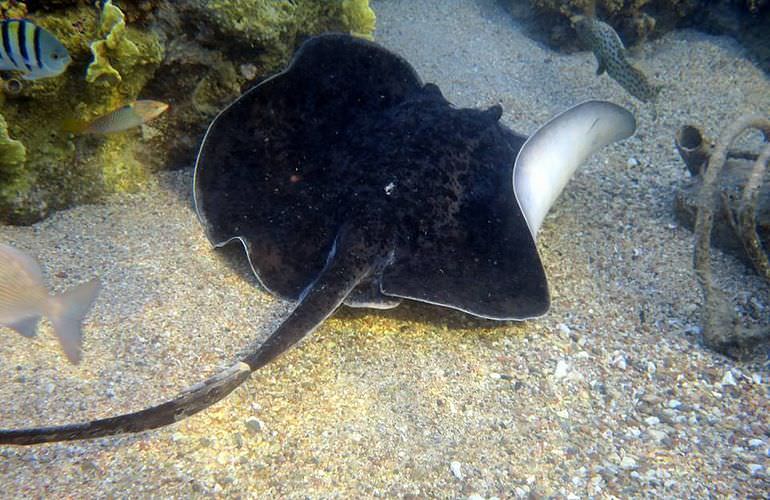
{"points": [[637, 20]]}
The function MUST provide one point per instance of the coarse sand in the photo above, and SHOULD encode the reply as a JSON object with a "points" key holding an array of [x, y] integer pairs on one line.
{"points": [[610, 394]]}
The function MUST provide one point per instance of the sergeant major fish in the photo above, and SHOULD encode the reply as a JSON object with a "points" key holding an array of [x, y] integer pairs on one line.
{"points": [[611, 56], [24, 299], [30, 49]]}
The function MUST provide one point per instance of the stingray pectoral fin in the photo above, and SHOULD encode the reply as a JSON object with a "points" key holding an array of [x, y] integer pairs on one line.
{"points": [[552, 154], [344, 270]]}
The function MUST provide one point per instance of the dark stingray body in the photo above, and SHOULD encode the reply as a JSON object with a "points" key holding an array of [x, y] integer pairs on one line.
{"points": [[346, 178], [332, 142]]}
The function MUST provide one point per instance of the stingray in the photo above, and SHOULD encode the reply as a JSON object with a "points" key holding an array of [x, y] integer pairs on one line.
{"points": [[350, 181]]}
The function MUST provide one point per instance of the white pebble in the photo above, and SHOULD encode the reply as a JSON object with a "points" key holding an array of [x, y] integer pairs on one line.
{"points": [[628, 462], [728, 379], [657, 436], [632, 162], [755, 443], [563, 329], [674, 404], [755, 469], [618, 360], [562, 369], [456, 470], [248, 71], [652, 421], [651, 369]]}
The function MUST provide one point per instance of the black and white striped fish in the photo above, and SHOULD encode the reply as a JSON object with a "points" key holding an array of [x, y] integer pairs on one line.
{"points": [[30, 49]]}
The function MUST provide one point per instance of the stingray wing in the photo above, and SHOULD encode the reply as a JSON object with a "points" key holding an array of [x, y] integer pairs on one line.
{"points": [[471, 250], [492, 269], [267, 169]]}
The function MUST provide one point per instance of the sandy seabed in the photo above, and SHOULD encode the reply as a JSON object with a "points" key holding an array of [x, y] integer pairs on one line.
{"points": [[609, 394]]}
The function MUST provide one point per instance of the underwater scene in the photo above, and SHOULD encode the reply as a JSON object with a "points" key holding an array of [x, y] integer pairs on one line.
{"points": [[384, 248]]}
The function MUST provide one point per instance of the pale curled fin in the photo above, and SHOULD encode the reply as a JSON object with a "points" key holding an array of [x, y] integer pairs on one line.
{"points": [[338, 278], [550, 156], [66, 314], [26, 326]]}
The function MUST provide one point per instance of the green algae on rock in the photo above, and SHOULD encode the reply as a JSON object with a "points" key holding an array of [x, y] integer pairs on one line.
{"points": [[12, 157], [61, 170], [191, 53], [12, 10], [215, 49], [12, 152], [358, 17], [273, 27]]}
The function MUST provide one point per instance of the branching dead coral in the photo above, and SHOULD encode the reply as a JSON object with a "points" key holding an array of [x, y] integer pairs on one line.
{"points": [[721, 330]]}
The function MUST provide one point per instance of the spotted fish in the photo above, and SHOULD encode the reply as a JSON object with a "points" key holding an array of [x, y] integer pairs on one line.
{"points": [[30, 49], [611, 56]]}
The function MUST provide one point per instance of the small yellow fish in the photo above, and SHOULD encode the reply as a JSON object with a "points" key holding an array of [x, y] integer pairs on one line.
{"points": [[611, 56], [24, 299], [126, 117]]}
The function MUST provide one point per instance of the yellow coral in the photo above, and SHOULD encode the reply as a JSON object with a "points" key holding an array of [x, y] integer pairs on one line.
{"points": [[112, 25], [359, 18], [13, 154]]}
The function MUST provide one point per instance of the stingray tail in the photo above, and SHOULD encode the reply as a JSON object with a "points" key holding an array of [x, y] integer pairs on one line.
{"points": [[344, 269], [346, 266]]}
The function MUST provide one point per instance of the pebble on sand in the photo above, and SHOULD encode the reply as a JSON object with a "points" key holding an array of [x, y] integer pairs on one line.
{"points": [[456, 469]]}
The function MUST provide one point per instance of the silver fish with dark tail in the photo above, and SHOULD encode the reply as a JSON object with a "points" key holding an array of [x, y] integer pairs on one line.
{"points": [[125, 117], [24, 299], [611, 56], [30, 49]]}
